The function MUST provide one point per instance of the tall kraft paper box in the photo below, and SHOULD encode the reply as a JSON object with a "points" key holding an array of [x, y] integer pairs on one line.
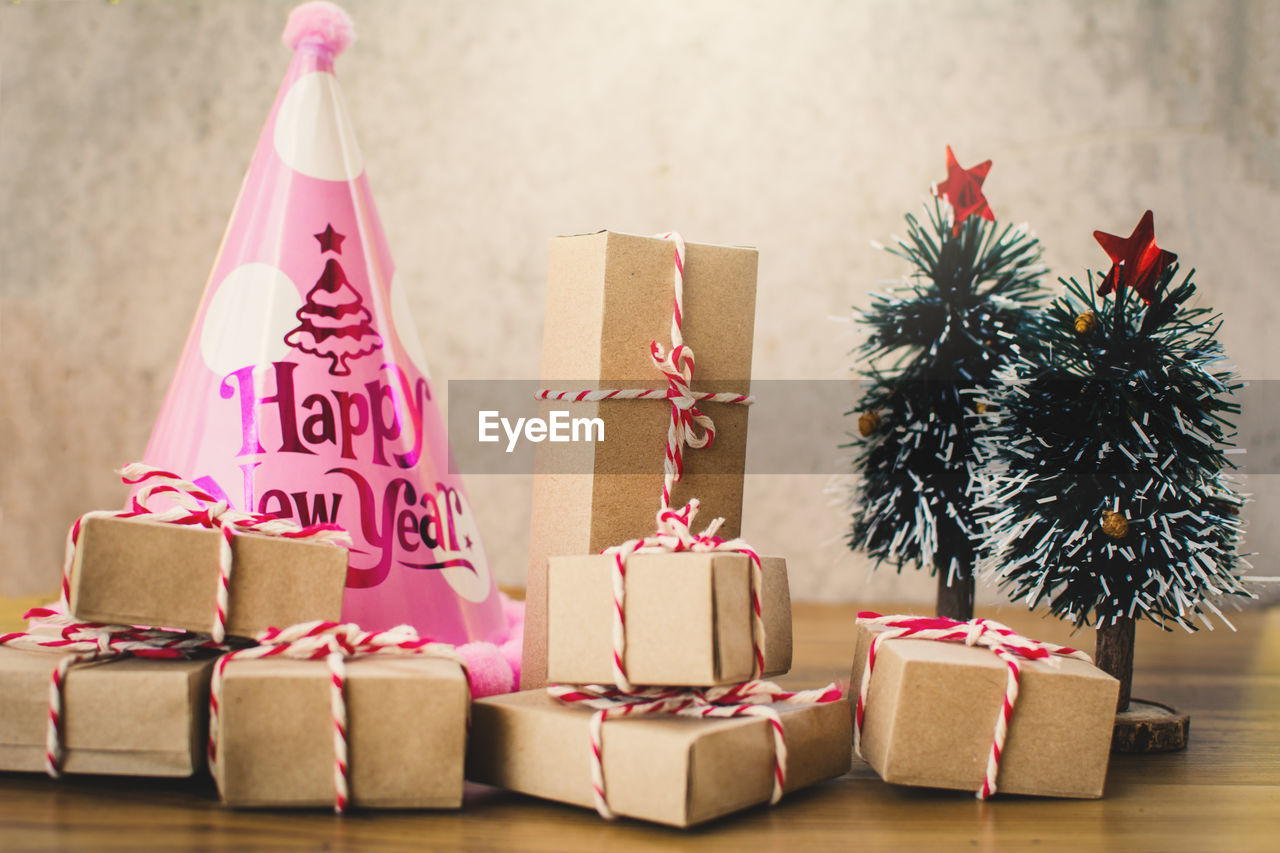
{"points": [[609, 296]]}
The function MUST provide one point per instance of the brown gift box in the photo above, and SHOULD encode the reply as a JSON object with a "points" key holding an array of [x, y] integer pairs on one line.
{"points": [[688, 619], [124, 716], [679, 771], [136, 572], [406, 730], [609, 296], [931, 712]]}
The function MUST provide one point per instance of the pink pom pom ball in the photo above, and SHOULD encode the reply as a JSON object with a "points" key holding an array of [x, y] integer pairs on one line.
{"points": [[512, 652], [492, 668], [321, 24], [487, 670]]}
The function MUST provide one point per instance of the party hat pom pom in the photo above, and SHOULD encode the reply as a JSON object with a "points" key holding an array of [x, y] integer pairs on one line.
{"points": [[487, 670], [514, 612], [512, 652], [319, 23]]}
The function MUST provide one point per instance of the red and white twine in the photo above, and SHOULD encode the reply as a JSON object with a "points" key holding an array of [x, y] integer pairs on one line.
{"points": [[1010, 646], [334, 643], [677, 366], [750, 699], [193, 506], [674, 535], [82, 642]]}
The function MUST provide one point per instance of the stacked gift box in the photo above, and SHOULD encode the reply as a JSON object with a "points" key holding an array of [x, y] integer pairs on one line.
{"points": [[263, 710], [662, 766], [394, 738], [650, 647], [79, 724], [142, 624]]}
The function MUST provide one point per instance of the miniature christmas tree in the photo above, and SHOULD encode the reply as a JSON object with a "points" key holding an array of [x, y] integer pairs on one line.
{"points": [[935, 343], [334, 322], [1115, 503]]}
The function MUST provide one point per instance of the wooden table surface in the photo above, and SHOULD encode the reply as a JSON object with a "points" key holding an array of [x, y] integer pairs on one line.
{"points": [[1222, 793]]}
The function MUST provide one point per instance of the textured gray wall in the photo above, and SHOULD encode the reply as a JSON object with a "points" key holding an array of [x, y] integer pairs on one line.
{"points": [[805, 128]]}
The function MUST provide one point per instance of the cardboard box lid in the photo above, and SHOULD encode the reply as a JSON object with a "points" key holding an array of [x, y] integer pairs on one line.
{"points": [[674, 770], [139, 572], [121, 705], [688, 618]]}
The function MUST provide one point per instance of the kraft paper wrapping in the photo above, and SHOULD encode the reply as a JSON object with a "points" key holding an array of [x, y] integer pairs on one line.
{"points": [[136, 572], [125, 716], [932, 707], [678, 771], [609, 296], [688, 619], [407, 730]]}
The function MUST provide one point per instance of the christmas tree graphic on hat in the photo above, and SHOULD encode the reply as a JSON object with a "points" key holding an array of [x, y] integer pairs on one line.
{"points": [[334, 322]]}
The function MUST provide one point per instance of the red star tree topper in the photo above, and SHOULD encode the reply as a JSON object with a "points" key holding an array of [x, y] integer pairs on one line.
{"points": [[963, 189], [1136, 261]]}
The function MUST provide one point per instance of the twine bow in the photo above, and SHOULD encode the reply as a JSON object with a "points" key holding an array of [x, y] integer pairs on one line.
{"points": [[83, 642], [675, 534], [689, 426], [334, 643], [749, 699], [193, 506], [1007, 644]]}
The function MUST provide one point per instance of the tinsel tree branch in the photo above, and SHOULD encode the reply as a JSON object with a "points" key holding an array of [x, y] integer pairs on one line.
{"points": [[933, 346]]}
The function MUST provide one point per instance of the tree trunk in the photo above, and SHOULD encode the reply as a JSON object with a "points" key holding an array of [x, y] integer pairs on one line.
{"points": [[1114, 656], [955, 601]]}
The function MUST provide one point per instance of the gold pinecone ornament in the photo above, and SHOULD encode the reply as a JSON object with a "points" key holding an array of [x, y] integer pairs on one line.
{"points": [[868, 423], [1114, 524], [1086, 323]]}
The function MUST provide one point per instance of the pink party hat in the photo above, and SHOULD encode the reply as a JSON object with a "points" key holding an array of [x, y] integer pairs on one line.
{"points": [[302, 390]]}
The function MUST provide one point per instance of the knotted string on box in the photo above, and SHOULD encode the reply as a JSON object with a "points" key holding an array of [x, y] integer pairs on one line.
{"points": [[335, 643], [674, 535], [749, 699], [1008, 645], [193, 506], [677, 366], [83, 642]]}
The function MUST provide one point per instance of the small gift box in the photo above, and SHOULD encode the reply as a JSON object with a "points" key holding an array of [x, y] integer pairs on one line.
{"points": [[108, 711], [688, 619], [139, 572], [191, 567], [661, 767], [975, 706], [336, 717], [609, 321]]}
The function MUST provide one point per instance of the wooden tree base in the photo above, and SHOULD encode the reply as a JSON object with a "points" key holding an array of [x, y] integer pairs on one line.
{"points": [[1149, 727]]}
